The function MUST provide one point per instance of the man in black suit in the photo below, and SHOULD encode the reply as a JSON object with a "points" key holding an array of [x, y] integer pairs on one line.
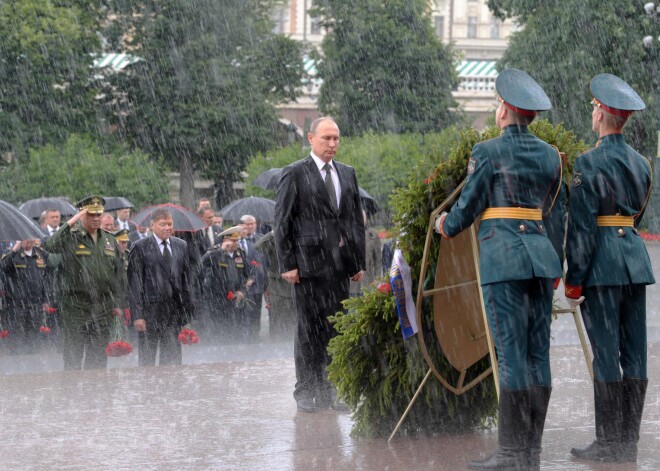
{"points": [[319, 234], [159, 279], [208, 237]]}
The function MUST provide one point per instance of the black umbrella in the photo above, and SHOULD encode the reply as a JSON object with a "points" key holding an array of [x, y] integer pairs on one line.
{"points": [[368, 202], [34, 208], [268, 180], [261, 208], [113, 203], [15, 225], [184, 219]]}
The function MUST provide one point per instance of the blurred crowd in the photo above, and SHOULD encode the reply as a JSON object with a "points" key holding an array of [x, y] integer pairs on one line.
{"points": [[236, 276]]}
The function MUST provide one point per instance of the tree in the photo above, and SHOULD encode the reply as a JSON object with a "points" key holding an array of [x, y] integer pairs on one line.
{"points": [[203, 96], [383, 67], [563, 47], [45, 91], [80, 167]]}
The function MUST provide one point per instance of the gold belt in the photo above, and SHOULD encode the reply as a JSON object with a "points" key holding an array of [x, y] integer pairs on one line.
{"points": [[512, 213], [615, 221]]}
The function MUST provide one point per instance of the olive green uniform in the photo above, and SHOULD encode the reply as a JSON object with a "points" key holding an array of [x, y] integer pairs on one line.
{"points": [[91, 284]]}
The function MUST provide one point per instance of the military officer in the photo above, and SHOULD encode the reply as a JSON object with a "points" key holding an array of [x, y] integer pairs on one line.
{"points": [[609, 268], [121, 236], [225, 274], [513, 183], [91, 284], [28, 290]]}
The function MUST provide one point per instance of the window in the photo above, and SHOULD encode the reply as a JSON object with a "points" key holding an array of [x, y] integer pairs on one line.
{"points": [[279, 18], [495, 28], [472, 27], [315, 26], [440, 26]]}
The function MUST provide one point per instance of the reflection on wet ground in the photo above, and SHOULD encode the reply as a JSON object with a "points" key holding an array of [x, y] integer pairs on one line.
{"points": [[230, 408]]}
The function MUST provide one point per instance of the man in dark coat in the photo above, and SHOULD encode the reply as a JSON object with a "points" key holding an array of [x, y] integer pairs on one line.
{"points": [[159, 280], [609, 268], [225, 277], [319, 234], [514, 183], [28, 290]]}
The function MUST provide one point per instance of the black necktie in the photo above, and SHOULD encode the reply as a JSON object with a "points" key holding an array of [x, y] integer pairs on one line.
{"points": [[166, 254], [329, 185]]}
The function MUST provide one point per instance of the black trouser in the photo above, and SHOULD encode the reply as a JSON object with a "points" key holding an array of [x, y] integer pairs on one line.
{"points": [[170, 347], [316, 299]]}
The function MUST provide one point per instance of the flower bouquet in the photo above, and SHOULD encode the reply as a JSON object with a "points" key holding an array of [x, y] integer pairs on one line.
{"points": [[188, 336], [44, 329], [118, 346]]}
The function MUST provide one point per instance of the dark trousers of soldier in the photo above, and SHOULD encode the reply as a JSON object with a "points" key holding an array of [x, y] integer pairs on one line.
{"points": [[170, 347], [316, 299], [224, 319], [250, 320], [615, 320], [23, 322], [519, 315], [90, 340]]}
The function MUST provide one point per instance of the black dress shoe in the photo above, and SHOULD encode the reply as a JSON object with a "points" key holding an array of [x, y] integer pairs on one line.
{"points": [[306, 405]]}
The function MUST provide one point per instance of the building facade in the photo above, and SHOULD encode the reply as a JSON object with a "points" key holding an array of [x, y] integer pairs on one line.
{"points": [[479, 38]]}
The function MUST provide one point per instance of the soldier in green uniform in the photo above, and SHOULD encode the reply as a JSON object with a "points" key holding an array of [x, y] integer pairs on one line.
{"points": [[513, 183], [122, 239], [609, 268], [279, 295], [225, 275], [91, 285]]}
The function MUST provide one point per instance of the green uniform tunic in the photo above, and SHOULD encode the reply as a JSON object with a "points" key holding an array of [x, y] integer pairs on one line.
{"points": [[91, 284]]}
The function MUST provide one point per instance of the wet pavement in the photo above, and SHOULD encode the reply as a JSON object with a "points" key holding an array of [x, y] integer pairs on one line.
{"points": [[230, 408]]}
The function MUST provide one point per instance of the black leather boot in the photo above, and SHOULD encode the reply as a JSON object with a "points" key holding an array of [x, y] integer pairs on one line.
{"points": [[634, 393], [608, 399], [513, 434], [539, 400]]}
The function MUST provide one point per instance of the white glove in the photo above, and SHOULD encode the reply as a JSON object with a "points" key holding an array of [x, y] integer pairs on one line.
{"points": [[574, 302], [439, 220]]}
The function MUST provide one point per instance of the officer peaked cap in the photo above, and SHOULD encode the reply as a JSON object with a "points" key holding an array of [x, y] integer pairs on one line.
{"points": [[521, 93]]}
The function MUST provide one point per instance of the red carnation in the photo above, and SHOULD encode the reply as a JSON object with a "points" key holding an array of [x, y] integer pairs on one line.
{"points": [[385, 288], [118, 348], [427, 180], [4, 334], [51, 310], [230, 296], [188, 337], [44, 329], [254, 263]]}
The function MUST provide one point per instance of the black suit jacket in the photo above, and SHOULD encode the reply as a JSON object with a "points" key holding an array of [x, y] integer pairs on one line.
{"points": [[159, 295], [202, 241], [308, 228]]}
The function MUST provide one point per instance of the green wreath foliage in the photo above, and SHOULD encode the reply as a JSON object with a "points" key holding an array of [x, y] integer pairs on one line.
{"points": [[377, 372]]}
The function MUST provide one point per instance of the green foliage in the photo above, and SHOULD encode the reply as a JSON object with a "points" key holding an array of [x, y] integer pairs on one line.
{"points": [[45, 91], [375, 370], [206, 89], [382, 161], [383, 67], [80, 167], [599, 36]]}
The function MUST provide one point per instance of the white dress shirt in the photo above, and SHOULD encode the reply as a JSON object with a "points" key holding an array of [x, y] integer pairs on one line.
{"points": [[335, 178]]}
